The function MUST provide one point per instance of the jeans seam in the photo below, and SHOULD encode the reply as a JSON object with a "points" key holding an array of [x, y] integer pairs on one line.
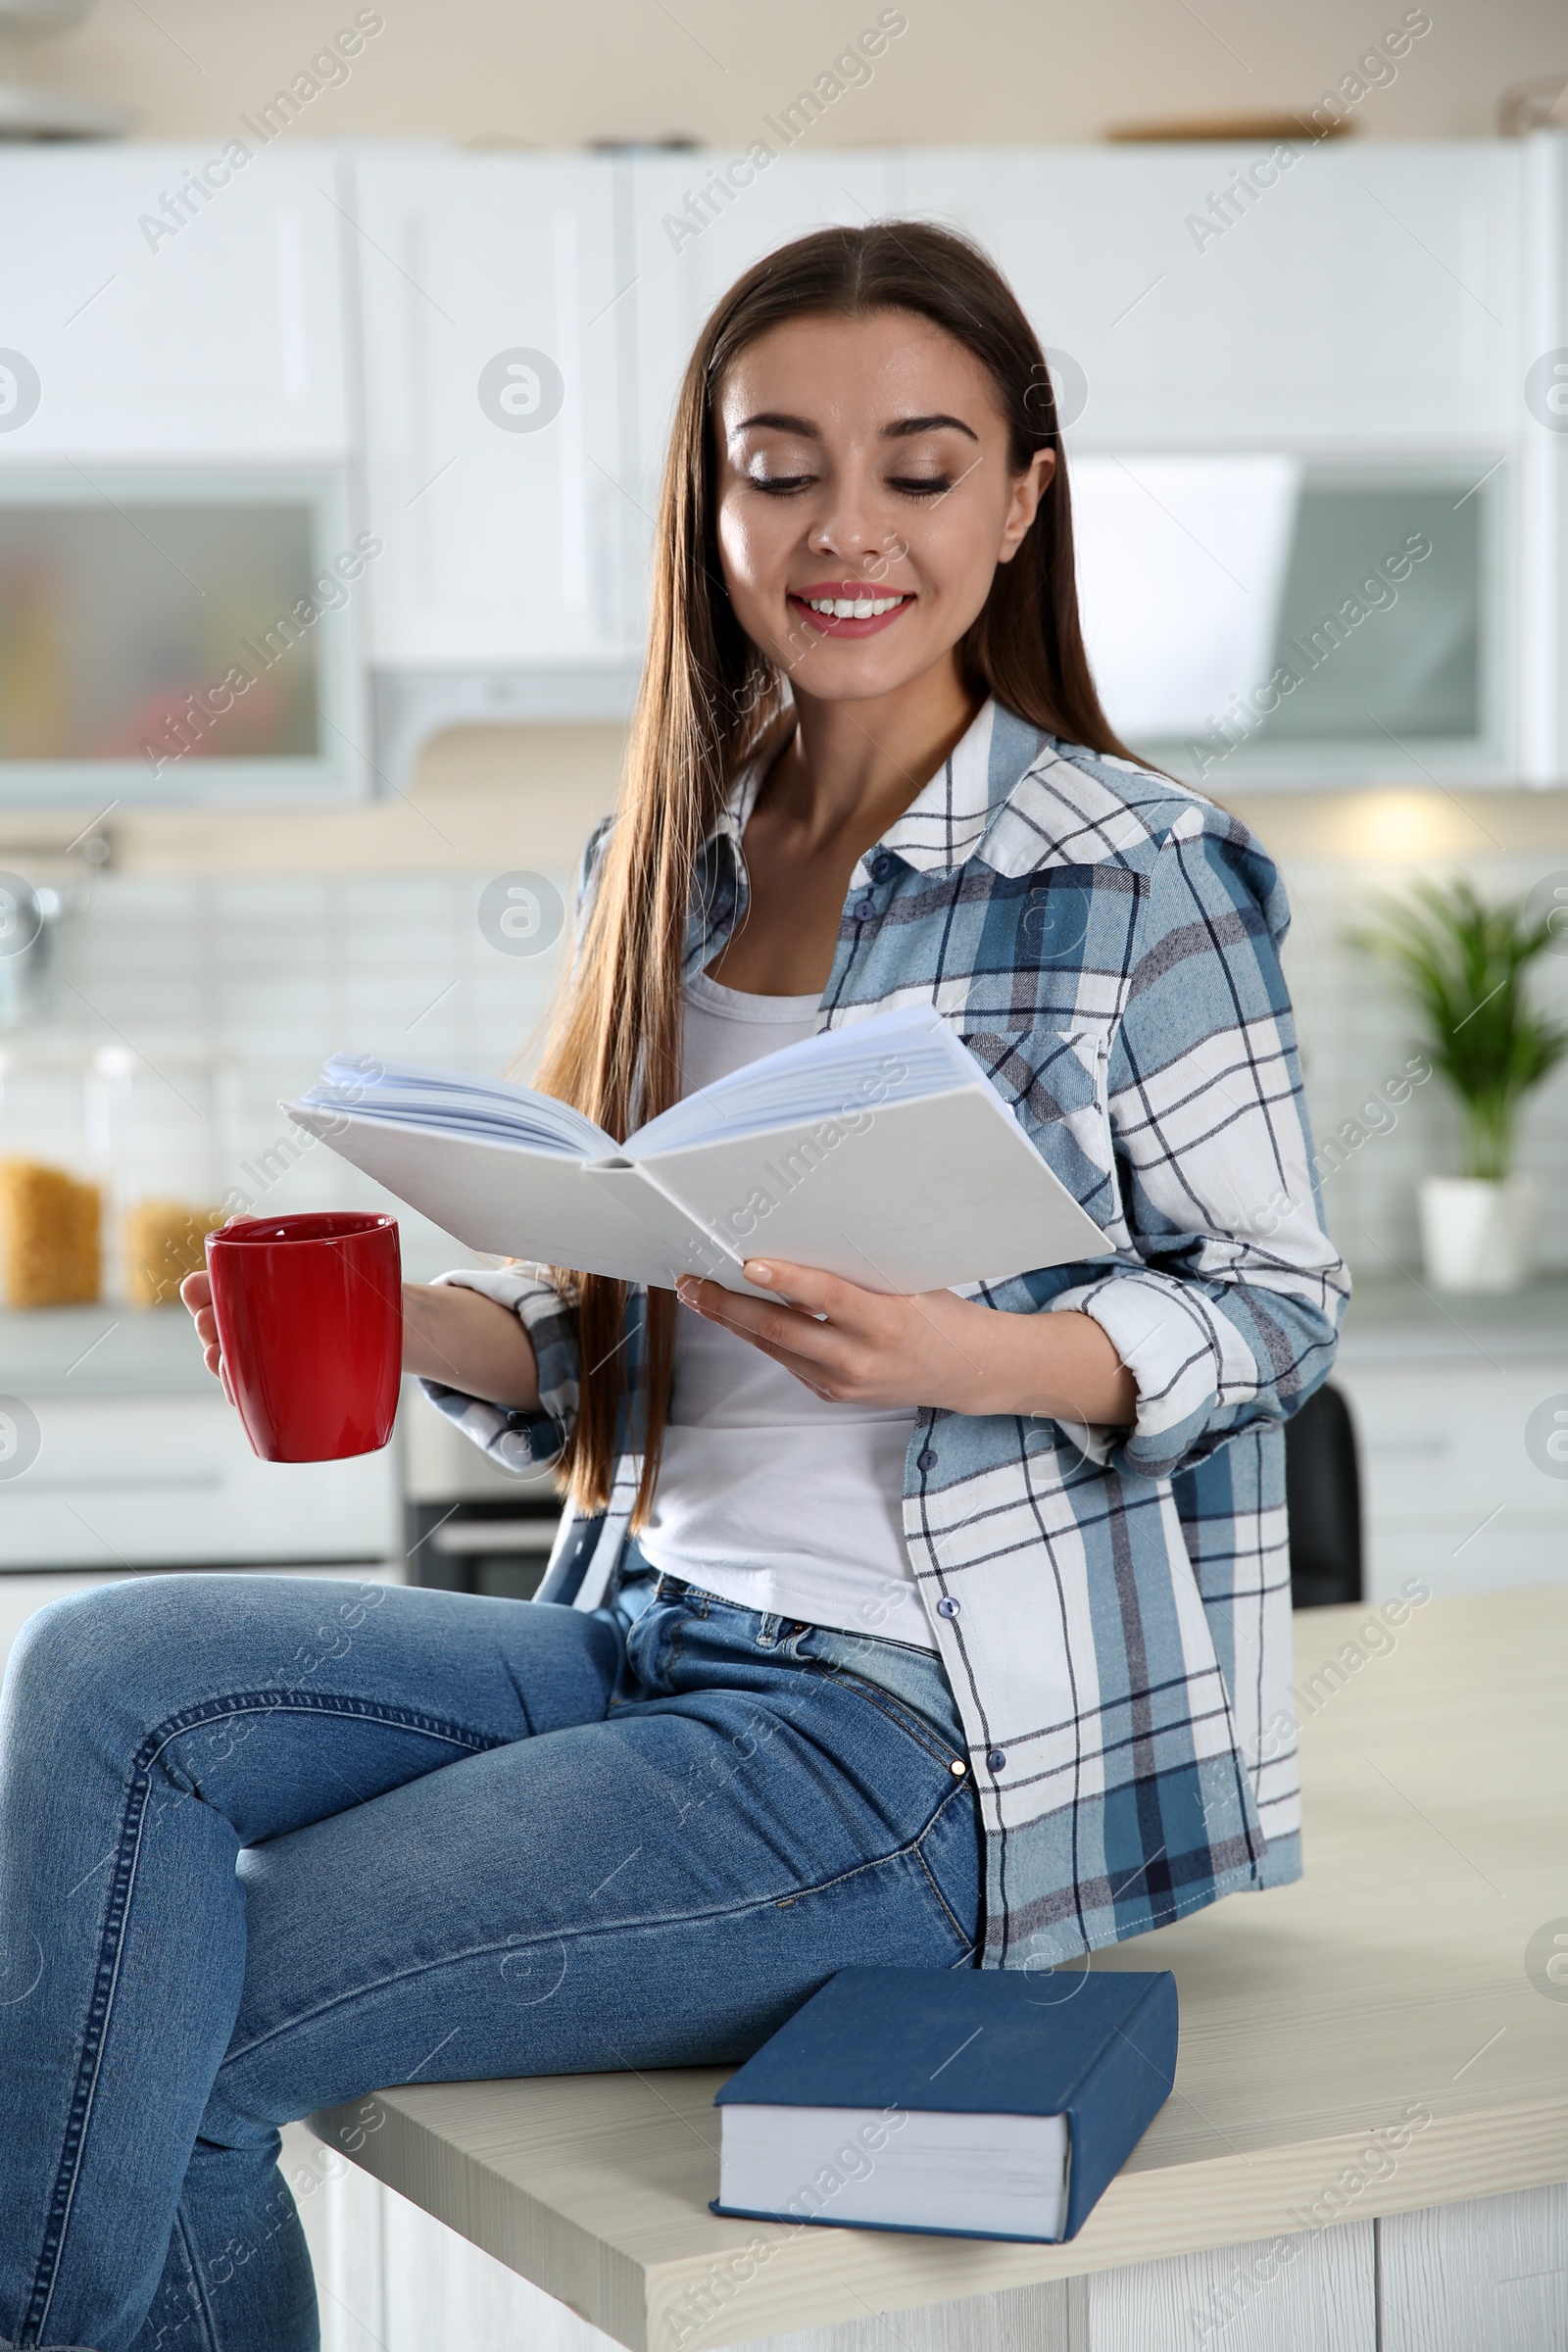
{"points": [[888, 1703], [919, 1850], [308, 1703], [121, 1888], [827, 1885], [198, 2290], [917, 1650], [677, 1643], [682, 1918]]}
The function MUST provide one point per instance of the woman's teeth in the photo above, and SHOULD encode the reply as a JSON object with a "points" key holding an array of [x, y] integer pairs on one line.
{"points": [[852, 608]]}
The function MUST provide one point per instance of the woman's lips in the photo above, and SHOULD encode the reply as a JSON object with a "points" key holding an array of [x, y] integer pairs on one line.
{"points": [[833, 624]]}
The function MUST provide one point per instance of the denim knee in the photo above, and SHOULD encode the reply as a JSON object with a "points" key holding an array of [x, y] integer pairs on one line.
{"points": [[93, 1671], [68, 1646]]}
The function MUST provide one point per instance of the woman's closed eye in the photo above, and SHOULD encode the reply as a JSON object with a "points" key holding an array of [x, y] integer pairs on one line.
{"points": [[908, 485]]}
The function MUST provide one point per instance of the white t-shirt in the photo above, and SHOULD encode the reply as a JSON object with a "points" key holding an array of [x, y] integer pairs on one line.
{"points": [[770, 1495]]}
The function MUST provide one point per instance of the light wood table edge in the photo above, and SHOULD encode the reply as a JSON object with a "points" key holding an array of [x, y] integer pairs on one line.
{"points": [[812, 2276], [596, 2279]]}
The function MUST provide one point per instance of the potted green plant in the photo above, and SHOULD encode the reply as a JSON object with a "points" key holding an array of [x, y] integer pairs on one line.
{"points": [[1463, 965]]}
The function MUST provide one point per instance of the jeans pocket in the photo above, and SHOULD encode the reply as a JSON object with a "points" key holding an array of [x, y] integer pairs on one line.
{"points": [[936, 1733], [915, 1680]]}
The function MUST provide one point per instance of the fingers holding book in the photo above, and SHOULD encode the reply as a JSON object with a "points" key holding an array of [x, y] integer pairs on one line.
{"points": [[854, 1346], [931, 1347]]}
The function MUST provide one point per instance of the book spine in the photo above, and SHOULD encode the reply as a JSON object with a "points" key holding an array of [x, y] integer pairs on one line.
{"points": [[1118, 2098], [704, 1248]]}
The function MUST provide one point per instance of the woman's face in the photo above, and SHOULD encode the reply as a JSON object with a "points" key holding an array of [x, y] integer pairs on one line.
{"points": [[866, 497]]}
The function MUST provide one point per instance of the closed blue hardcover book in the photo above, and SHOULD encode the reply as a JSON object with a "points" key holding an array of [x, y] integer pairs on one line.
{"points": [[1099, 2050]]}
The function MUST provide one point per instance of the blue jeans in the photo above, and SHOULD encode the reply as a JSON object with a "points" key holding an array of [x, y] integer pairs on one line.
{"points": [[268, 1845]]}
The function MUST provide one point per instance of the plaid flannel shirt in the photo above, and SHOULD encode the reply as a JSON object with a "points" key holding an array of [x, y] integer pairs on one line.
{"points": [[1105, 943]]}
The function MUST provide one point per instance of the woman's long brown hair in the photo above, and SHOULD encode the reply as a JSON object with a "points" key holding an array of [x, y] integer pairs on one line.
{"points": [[709, 696]]}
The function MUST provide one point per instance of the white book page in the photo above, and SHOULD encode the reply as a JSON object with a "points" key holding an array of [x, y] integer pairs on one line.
{"points": [[893, 1056], [913, 1197], [449, 1102], [1000, 2173], [878, 1152], [512, 1202]]}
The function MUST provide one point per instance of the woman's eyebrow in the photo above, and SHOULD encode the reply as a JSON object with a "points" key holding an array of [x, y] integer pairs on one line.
{"points": [[928, 424], [778, 422]]}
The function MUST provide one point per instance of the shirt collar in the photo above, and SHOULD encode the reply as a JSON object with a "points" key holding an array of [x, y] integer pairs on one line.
{"points": [[1008, 792]]}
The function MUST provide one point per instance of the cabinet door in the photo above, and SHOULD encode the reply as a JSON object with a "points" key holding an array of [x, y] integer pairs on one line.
{"points": [[1454, 1486], [161, 1481], [492, 342], [690, 242], [1357, 296], [171, 302]]}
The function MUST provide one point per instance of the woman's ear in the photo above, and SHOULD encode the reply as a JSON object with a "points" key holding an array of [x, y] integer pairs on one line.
{"points": [[1028, 489]]}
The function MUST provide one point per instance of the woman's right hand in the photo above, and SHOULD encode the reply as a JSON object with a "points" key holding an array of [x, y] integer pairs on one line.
{"points": [[453, 1335], [196, 1293]]}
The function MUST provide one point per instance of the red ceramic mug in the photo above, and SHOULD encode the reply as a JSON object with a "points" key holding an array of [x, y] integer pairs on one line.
{"points": [[310, 1319]]}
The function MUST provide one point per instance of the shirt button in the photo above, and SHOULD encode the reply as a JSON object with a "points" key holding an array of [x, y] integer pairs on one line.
{"points": [[947, 1606], [881, 867], [864, 909], [997, 1758], [925, 1460]]}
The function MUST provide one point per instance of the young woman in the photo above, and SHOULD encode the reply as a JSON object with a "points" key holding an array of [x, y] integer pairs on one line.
{"points": [[941, 1629]]}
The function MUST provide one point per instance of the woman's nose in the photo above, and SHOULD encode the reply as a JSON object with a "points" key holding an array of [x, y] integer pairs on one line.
{"points": [[855, 532]]}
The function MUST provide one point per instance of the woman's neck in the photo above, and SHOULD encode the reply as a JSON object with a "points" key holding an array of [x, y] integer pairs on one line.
{"points": [[852, 767], [847, 774]]}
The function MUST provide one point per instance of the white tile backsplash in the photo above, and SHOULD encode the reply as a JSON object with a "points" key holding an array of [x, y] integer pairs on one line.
{"points": [[270, 976]]}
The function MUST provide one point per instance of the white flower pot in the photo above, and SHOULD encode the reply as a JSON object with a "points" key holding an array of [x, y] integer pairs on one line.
{"points": [[1477, 1235]]}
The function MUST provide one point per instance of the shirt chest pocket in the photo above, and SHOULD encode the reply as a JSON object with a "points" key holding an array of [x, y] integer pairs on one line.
{"points": [[1056, 1082]]}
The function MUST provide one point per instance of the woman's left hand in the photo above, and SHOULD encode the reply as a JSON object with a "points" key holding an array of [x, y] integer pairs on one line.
{"points": [[856, 1346]]}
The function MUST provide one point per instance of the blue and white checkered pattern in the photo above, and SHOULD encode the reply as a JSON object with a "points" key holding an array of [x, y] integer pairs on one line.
{"points": [[1105, 943]]}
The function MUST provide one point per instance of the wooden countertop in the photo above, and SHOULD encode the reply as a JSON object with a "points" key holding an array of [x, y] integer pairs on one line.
{"points": [[1391, 1978]]}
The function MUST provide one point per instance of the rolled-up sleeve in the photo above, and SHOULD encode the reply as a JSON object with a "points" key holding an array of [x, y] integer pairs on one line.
{"points": [[521, 1441], [1226, 1306]]}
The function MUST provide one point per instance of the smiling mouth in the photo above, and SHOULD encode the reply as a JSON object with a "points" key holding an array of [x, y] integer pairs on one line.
{"points": [[844, 610]]}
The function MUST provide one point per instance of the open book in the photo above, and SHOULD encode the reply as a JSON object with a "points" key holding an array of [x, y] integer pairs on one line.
{"points": [[879, 1152]]}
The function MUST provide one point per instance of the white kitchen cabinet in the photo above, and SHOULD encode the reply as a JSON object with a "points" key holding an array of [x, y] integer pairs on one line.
{"points": [[143, 333], [1449, 1492], [493, 409], [1367, 297], [161, 1481], [483, 351]]}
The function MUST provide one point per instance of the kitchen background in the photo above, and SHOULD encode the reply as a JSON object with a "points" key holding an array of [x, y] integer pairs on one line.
{"points": [[394, 300], [390, 300]]}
